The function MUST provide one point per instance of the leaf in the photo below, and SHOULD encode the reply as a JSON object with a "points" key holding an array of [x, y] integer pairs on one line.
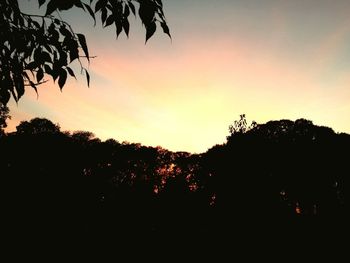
{"points": [[73, 54], [19, 86], [100, 4], [48, 69], [54, 35], [72, 44], [65, 4], [55, 72], [14, 95], [159, 3], [34, 87], [25, 75], [32, 65], [51, 7], [126, 26], [45, 57], [71, 72], [92, 14], [126, 12], [87, 77], [65, 32], [119, 27], [104, 15], [39, 75], [82, 42], [150, 29], [147, 12], [63, 58], [41, 2], [109, 20], [80, 5], [62, 78], [132, 7], [37, 55], [165, 28]]}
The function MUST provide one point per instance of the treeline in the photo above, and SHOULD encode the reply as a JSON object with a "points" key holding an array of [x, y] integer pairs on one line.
{"points": [[281, 177]]}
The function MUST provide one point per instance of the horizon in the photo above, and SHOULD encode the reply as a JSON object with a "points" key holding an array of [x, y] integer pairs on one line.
{"points": [[177, 151], [269, 60]]}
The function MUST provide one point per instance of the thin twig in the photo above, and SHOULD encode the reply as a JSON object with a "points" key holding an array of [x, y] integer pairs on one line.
{"points": [[41, 16], [38, 83], [89, 56]]}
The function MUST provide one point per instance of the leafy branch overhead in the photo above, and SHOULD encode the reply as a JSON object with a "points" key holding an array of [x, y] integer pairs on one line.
{"points": [[33, 47]]}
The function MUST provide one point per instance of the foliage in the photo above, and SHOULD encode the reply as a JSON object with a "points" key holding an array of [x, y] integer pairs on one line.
{"points": [[290, 166], [37, 126], [240, 126], [4, 116], [281, 179], [35, 46]]}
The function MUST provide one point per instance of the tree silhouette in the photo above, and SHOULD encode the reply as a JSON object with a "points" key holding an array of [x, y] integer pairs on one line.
{"points": [[35, 46], [284, 179], [37, 126], [4, 116], [279, 176]]}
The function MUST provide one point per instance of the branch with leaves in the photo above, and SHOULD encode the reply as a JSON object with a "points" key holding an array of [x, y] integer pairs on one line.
{"points": [[35, 46]]}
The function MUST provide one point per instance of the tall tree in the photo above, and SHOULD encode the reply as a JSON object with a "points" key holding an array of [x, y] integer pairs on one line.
{"points": [[33, 46]]}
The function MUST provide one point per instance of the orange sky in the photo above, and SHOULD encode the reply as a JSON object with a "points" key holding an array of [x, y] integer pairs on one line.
{"points": [[267, 59]]}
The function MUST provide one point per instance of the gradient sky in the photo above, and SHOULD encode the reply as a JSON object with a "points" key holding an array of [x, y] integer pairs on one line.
{"points": [[269, 59]]}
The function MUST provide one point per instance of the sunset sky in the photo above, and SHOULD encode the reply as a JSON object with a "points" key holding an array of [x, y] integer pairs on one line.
{"points": [[269, 59]]}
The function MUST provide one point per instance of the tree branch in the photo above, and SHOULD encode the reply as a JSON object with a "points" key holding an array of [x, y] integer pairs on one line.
{"points": [[38, 83]]}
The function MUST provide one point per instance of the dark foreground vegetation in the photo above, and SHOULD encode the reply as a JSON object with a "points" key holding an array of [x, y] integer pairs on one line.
{"points": [[279, 183]]}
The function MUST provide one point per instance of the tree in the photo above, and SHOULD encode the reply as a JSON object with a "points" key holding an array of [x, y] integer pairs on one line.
{"points": [[35, 46], [4, 115], [37, 126], [240, 126]]}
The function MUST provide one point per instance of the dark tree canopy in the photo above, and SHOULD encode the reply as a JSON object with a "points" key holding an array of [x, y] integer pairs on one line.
{"points": [[33, 47], [37, 126], [281, 183]]}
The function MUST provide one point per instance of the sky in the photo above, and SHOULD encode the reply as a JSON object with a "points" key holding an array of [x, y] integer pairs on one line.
{"points": [[268, 59]]}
